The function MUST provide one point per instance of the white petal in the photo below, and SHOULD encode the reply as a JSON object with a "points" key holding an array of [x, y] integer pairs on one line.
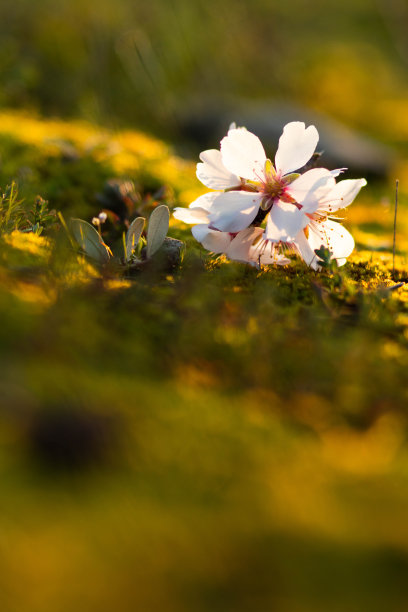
{"points": [[214, 241], [332, 235], [191, 215], [284, 222], [205, 201], [338, 171], [233, 211], [311, 187], [212, 172], [341, 242], [270, 256], [243, 154], [265, 252], [276, 258], [239, 249], [342, 194], [306, 252], [296, 146]]}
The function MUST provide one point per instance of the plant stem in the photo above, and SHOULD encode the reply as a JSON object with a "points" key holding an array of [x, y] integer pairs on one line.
{"points": [[395, 227]]}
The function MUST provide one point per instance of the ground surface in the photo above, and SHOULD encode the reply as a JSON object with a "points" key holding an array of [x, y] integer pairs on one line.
{"points": [[213, 437]]}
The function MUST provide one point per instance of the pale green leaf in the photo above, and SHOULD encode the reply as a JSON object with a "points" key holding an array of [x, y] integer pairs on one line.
{"points": [[89, 240], [133, 235], [157, 230]]}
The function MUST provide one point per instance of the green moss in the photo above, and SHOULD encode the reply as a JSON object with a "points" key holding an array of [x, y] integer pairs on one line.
{"points": [[215, 438]]}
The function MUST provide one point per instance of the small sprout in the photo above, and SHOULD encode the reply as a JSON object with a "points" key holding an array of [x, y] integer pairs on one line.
{"points": [[325, 258], [137, 249], [90, 241], [40, 217], [133, 236], [12, 213], [157, 230]]}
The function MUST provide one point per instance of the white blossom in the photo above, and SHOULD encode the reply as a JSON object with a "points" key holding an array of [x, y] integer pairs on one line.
{"points": [[249, 190]]}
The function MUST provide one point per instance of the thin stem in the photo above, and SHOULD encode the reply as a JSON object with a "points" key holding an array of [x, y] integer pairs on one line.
{"points": [[395, 227]]}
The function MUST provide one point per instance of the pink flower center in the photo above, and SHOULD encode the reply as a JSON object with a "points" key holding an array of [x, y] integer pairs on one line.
{"points": [[272, 185], [273, 188]]}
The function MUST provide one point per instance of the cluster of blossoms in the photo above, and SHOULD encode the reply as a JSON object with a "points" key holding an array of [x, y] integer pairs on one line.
{"points": [[259, 211]]}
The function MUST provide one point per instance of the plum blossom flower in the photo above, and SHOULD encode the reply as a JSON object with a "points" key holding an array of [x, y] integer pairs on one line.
{"points": [[249, 189], [246, 182], [250, 246], [262, 186], [318, 227], [247, 246]]}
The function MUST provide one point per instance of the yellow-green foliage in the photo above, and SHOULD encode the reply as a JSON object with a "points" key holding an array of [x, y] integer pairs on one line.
{"points": [[220, 438], [148, 63], [70, 161]]}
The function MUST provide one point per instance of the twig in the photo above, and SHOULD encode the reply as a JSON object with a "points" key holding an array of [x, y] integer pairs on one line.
{"points": [[395, 228], [394, 287]]}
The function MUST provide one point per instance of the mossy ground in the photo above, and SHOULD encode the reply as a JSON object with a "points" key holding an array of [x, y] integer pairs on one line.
{"points": [[214, 438]]}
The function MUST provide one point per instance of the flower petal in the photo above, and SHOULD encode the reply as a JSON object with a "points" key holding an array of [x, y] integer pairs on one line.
{"points": [[191, 215], [212, 172], [205, 201], [271, 256], [338, 171], [296, 146], [212, 240], [310, 187], [239, 249], [334, 236], [243, 154], [233, 211], [305, 250], [284, 222], [265, 252], [249, 246], [342, 194], [341, 242]]}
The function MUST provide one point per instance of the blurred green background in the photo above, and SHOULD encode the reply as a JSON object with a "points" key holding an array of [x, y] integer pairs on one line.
{"points": [[149, 64], [214, 438]]}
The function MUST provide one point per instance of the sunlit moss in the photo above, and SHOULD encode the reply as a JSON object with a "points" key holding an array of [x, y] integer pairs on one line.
{"points": [[30, 292], [69, 162], [26, 248], [262, 412], [28, 242]]}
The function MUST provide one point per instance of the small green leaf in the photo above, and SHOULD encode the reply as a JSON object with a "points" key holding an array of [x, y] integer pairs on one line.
{"points": [[325, 258], [157, 230], [90, 241], [133, 235]]}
